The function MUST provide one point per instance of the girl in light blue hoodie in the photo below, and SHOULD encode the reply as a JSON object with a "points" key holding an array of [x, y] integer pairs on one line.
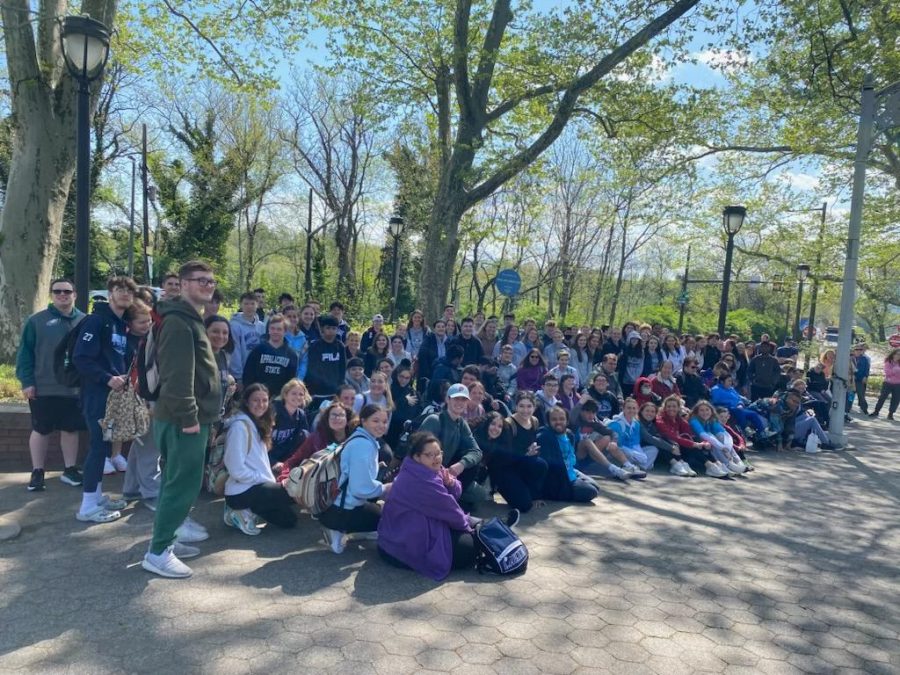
{"points": [[627, 428]]}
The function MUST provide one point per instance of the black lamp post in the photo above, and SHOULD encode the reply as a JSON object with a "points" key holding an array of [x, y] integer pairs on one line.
{"points": [[85, 45], [802, 273], [732, 222], [395, 229]]}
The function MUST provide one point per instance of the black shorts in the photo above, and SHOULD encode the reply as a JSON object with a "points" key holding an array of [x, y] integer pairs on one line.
{"points": [[55, 413]]}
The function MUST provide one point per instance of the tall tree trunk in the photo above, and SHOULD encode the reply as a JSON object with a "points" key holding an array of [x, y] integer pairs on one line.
{"points": [[442, 245]]}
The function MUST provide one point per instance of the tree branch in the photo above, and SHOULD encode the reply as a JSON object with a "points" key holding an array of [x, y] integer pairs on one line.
{"points": [[489, 51], [199, 33]]}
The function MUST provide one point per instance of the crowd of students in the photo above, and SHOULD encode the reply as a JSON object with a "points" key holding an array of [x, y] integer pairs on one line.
{"points": [[432, 420]]}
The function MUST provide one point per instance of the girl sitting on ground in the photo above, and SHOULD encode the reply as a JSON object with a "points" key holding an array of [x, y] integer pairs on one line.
{"points": [[725, 395], [707, 428], [596, 443], [740, 443], [422, 526], [675, 428], [291, 425], [333, 425], [251, 489], [668, 451], [354, 509], [663, 382], [627, 429]]}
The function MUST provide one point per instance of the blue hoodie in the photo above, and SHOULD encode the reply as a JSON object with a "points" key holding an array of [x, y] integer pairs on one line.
{"points": [[727, 397], [99, 352], [299, 344], [627, 434], [359, 470], [246, 335]]}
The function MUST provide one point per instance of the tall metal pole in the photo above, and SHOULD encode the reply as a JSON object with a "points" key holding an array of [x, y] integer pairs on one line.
{"points": [[684, 285], [787, 315], [814, 297], [83, 198], [797, 311], [131, 221], [839, 384], [307, 276], [726, 283], [145, 186], [395, 284]]}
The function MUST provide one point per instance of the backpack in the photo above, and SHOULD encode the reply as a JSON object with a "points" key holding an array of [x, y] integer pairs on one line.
{"points": [[315, 484], [215, 473], [148, 367], [412, 426], [498, 550], [127, 417], [63, 363]]}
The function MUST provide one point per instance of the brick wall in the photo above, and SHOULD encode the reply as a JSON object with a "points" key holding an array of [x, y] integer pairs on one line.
{"points": [[15, 428]]}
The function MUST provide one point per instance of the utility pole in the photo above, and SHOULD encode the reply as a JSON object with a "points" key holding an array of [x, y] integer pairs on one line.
{"points": [[814, 296], [145, 185], [683, 298], [131, 221], [307, 277]]}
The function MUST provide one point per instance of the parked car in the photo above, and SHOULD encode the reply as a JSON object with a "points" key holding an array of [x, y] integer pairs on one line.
{"points": [[831, 336]]}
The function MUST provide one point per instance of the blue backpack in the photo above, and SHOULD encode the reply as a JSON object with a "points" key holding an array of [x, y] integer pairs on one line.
{"points": [[498, 550]]}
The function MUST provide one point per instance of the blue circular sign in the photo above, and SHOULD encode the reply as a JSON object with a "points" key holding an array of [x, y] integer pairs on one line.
{"points": [[508, 282]]}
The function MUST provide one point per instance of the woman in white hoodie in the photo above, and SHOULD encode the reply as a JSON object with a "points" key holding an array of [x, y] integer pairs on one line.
{"points": [[251, 489]]}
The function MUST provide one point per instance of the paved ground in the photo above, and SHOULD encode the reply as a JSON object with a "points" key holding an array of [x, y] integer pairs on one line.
{"points": [[792, 569]]}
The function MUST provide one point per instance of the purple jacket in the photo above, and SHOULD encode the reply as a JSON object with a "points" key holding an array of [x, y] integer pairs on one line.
{"points": [[418, 514], [529, 377]]}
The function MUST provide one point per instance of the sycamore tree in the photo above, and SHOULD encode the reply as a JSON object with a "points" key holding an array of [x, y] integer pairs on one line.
{"points": [[224, 40], [498, 82]]}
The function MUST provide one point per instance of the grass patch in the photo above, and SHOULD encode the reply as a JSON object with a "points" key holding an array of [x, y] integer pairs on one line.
{"points": [[10, 389]]}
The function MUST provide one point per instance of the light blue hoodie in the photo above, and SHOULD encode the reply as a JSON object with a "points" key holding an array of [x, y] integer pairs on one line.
{"points": [[359, 468], [299, 344], [246, 336], [628, 434]]}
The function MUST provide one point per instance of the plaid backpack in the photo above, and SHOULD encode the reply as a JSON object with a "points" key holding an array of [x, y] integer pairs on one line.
{"points": [[315, 484]]}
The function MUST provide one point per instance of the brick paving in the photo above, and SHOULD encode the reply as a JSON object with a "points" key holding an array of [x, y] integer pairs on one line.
{"points": [[793, 569]]}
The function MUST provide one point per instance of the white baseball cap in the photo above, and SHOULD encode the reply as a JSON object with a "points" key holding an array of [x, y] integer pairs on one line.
{"points": [[458, 391]]}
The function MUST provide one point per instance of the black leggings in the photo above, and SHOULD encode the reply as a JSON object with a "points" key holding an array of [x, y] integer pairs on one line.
{"points": [[269, 501], [361, 519], [520, 482], [462, 543], [892, 390]]}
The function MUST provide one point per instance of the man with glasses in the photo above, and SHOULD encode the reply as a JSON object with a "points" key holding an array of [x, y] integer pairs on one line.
{"points": [[53, 405], [99, 357], [690, 383], [188, 405]]}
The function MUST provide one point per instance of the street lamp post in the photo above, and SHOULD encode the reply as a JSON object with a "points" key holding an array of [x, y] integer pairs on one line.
{"points": [[869, 119], [802, 273], [85, 45], [732, 221], [395, 229]]}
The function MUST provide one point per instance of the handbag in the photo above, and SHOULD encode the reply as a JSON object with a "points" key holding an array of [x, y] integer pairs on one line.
{"points": [[127, 417]]}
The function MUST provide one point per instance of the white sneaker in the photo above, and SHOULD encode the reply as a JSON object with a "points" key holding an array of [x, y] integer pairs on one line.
{"points": [[183, 551], [166, 564], [688, 469], [677, 469], [715, 470], [634, 471], [226, 515], [618, 472], [193, 524], [120, 463], [108, 467], [737, 468], [243, 520], [188, 534], [334, 540]]}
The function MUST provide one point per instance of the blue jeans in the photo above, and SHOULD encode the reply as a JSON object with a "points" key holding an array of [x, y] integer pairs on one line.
{"points": [[745, 417], [93, 407]]}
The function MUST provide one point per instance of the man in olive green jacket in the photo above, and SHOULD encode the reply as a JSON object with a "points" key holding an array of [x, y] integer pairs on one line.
{"points": [[188, 404]]}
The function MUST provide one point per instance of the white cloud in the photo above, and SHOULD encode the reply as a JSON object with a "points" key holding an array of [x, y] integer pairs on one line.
{"points": [[656, 72], [725, 60], [801, 181]]}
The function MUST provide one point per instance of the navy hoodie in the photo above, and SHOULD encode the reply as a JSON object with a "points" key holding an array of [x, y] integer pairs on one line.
{"points": [[271, 366], [99, 353]]}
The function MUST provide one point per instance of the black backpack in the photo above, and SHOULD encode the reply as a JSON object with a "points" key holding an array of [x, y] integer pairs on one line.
{"points": [[63, 364], [412, 426], [498, 550]]}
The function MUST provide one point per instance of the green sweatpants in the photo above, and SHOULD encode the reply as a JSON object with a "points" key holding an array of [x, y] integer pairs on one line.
{"points": [[182, 477]]}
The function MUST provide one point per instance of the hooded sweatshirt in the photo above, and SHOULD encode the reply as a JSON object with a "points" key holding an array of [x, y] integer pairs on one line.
{"points": [[246, 456], [40, 337], [190, 386], [640, 396], [299, 344], [327, 367], [417, 518], [271, 366], [631, 361], [628, 434], [100, 349], [246, 335]]}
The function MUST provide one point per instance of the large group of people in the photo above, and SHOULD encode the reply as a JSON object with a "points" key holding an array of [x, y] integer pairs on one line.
{"points": [[431, 420]]}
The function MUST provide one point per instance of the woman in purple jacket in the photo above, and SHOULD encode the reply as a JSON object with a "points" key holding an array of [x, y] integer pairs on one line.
{"points": [[531, 371], [422, 527]]}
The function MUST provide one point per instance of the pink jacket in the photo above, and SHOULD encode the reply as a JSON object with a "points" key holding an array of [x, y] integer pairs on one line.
{"points": [[892, 372]]}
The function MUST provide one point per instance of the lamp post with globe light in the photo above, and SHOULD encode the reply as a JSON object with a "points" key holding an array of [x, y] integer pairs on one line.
{"points": [[732, 222]]}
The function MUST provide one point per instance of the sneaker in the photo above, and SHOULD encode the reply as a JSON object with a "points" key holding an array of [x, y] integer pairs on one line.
{"points": [[187, 533], [151, 503], [111, 504], [891, 417], [98, 515], [512, 518], [193, 524], [120, 463], [677, 469], [333, 540], [108, 467], [243, 520], [183, 551], [715, 470], [634, 471], [687, 467], [873, 414], [736, 468], [72, 476], [226, 515], [166, 564], [37, 481], [618, 472]]}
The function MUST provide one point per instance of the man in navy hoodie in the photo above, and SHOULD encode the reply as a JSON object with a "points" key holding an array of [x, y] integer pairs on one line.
{"points": [[273, 362], [99, 357]]}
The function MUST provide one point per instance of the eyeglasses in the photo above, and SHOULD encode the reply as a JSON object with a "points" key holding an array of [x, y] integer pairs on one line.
{"points": [[61, 291], [433, 455], [337, 416], [203, 281]]}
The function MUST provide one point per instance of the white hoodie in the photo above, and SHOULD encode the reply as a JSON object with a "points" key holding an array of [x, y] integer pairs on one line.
{"points": [[246, 457]]}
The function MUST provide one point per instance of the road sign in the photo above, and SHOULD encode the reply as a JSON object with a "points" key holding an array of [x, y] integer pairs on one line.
{"points": [[894, 341], [683, 298], [508, 282]]}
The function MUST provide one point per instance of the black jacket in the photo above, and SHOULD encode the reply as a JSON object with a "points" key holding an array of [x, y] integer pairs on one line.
{"points": [[327, 367]]}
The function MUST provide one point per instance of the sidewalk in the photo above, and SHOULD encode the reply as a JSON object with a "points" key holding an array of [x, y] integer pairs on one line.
{"points": [[794, 569]]}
